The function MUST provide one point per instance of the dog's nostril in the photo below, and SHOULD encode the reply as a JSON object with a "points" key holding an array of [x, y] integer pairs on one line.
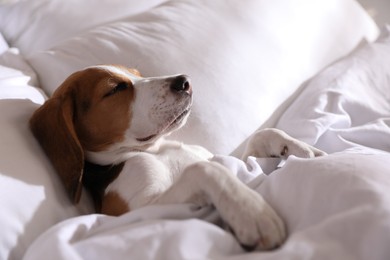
{"points": [[181, 84], [186, 85]]}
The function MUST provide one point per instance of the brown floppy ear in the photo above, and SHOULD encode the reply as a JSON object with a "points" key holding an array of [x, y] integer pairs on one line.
{"points": [[52, 125]]}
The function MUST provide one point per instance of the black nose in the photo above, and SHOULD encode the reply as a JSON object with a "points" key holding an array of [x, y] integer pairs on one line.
{"points": [[181, 83]]}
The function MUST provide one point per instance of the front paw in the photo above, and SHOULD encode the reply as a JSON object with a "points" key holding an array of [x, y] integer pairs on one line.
{"points": [[276, 143], [255, 224], [297, 148]]}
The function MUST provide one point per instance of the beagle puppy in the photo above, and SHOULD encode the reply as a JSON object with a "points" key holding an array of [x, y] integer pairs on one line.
{"points": [[104, 128]]}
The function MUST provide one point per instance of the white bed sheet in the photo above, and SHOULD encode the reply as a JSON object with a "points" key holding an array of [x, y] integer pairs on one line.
{"points": [[319, 221], [348, 104], [335, 207], [29, 196], [263, 48]]}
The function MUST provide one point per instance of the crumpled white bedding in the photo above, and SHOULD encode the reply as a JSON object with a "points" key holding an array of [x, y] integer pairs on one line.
{"points": [[347, 105], [335, 207]]}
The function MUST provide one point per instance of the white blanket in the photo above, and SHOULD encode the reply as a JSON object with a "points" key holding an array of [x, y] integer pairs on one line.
{"points": [[335, 207]]}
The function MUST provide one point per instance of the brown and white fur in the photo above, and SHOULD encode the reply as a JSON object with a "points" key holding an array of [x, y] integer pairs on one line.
{"points": [[104, 127]]}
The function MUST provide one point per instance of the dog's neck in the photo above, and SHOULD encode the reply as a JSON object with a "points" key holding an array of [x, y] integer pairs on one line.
{"points": [[96, 178], [121, 152]]}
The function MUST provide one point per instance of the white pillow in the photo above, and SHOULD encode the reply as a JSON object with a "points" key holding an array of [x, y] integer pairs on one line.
{"points": [[3, 44], [244, 59], [39, 24], [347, 105], [31, 196], [17, 78]]}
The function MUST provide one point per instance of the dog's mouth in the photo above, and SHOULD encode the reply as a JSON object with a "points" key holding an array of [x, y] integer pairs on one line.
{"points": [[179, 118], [170, 126]]}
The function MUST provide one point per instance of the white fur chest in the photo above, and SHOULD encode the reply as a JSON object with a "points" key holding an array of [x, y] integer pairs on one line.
{"points": [[148, 174], [177, 156]]}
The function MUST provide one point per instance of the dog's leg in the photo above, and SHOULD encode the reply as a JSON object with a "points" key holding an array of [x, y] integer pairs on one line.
{"points": [[253, 221], [272, 142]]}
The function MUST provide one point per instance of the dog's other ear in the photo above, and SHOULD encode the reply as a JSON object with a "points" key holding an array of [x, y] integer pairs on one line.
{"points": [[52, 125]]}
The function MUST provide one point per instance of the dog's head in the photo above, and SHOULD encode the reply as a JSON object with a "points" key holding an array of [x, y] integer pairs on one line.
{"points": [[104, 112]]}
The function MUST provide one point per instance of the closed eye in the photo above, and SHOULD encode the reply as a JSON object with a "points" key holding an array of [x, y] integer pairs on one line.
{"points": [[119, 87]]}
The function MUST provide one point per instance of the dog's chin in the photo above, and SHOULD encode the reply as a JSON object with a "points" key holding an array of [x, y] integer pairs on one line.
{"points": [[178, 122], [171, 126]]}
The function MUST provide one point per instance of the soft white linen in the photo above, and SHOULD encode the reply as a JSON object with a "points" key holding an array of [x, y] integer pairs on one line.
{"points": [[296, 39], [335, 207], [258, 52], [41, 24], [3, 44], [17, 78], [29, 196], [347, 105]]}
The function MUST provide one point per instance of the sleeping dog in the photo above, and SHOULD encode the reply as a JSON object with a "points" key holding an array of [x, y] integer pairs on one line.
{"points": [[104, 128]]}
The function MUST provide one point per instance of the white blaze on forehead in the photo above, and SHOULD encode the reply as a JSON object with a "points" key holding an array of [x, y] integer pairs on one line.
{"points": [[119, 71], [154, 108]]}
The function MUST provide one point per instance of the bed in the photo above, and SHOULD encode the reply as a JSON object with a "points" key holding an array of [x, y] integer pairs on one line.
{"points": [[317, 69]]}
